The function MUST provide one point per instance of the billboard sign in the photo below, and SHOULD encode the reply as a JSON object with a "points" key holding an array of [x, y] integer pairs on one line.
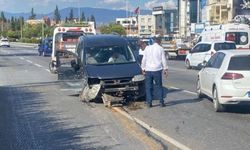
{"points": [[241, 7]]}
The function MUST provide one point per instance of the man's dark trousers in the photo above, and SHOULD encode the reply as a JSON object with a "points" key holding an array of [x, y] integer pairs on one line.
{"points": [[155, 76]]}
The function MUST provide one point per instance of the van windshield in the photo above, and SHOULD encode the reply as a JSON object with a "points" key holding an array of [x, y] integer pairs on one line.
{"points": [[109, 55], [224, 46]]}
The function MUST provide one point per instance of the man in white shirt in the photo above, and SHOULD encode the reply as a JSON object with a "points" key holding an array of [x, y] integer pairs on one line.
{"points": [[153, 64]]}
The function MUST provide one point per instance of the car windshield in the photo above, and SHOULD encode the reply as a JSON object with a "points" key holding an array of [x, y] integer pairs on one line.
{"points": [[109, 55], [224, 46], [240, 63]]}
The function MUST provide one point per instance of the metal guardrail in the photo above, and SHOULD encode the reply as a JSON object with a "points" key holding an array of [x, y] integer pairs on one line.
{"points": [[30, 45]]}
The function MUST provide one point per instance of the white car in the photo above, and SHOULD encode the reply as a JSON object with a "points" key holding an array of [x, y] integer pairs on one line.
{"points": [[226, 78], [4, 42], [204, 50]]}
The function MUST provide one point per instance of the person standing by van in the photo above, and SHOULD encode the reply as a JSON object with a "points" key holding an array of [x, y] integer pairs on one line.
{"points": [[143, 46], [153, 64]]}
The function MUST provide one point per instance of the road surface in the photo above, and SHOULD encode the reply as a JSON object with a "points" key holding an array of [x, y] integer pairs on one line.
{"points": [[35, 113]]}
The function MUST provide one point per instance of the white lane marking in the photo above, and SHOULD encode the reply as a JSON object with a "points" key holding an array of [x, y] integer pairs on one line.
{"points": [[186, 91], [190, 92], [47, 70], [29, 61], [21, 58], [153, 130], [38, 65]]}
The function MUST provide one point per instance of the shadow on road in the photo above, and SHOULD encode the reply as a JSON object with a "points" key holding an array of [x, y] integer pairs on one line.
{"points": [[28, 122]]}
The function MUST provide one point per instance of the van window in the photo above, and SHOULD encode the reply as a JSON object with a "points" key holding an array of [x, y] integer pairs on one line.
{"points": [[240, 38], [224, 46], [239, 63]]}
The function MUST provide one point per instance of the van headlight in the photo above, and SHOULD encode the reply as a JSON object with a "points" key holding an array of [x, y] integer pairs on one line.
{"points": [[138, 78]]}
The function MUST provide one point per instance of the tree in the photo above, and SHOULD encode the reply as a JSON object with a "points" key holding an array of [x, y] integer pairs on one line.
{"points": [[13, 23], [92, 18], [57, 15], [83, 17], [107, 29], [66, 20], [2, 17], [71, 14], [32, 14]]}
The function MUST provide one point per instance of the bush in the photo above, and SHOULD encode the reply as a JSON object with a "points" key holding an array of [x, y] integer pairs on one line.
{"points": [[31, 40]]}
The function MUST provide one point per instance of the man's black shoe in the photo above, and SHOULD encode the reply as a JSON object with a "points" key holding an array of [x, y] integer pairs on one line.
{"points": [[163, 105], [149, 105]]}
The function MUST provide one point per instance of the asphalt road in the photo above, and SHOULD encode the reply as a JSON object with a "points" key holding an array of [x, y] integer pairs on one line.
{"points": [[36, 114]]}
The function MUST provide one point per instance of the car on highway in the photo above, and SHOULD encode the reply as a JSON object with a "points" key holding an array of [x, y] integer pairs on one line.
{"points": [[45, 47], [226, 78], [204, 50], [4, 42], [109, 69]]}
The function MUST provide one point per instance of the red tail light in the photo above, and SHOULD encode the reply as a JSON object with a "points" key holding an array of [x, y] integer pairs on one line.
{"points": [[232, 76]]}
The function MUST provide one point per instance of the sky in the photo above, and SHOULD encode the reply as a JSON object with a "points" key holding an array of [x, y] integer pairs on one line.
{"points": [[46, 6]]}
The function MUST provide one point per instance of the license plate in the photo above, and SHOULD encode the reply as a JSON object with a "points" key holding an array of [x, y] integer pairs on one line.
{"points": [[248, 94], [182, 52]]}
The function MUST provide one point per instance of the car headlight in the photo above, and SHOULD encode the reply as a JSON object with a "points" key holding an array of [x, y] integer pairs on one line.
{"points": [[138, 78]]}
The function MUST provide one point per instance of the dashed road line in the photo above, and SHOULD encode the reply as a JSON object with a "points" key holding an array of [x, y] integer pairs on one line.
{"points": [[152, 129], [183, 90], [38, 65], [21, 58], [29, 61], [47, 70]]}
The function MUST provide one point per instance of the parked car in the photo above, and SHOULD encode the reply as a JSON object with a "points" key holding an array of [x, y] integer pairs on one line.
{"points": [[204, 50], [4, 42], [108, 68], [226, 78], [45, 47]]}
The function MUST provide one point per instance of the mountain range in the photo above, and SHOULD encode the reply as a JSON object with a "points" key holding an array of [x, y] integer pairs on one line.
{"points": [[102, 16]]}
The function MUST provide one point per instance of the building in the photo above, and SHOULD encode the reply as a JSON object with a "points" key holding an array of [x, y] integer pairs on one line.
{"points": [[130, 24], [189, 13], [219, 11], [34, 21], [166, 20], [146, 25]]}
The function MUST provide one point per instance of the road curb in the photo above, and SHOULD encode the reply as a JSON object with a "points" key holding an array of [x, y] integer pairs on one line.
{"points": [[152, 129]]}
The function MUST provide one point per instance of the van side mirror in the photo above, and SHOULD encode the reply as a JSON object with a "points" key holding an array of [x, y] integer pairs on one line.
{"points": [[204, 64]]}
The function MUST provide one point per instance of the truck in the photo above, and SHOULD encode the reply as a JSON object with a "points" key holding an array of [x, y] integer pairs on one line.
{"points": [[65, 38], [175, 48]]}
